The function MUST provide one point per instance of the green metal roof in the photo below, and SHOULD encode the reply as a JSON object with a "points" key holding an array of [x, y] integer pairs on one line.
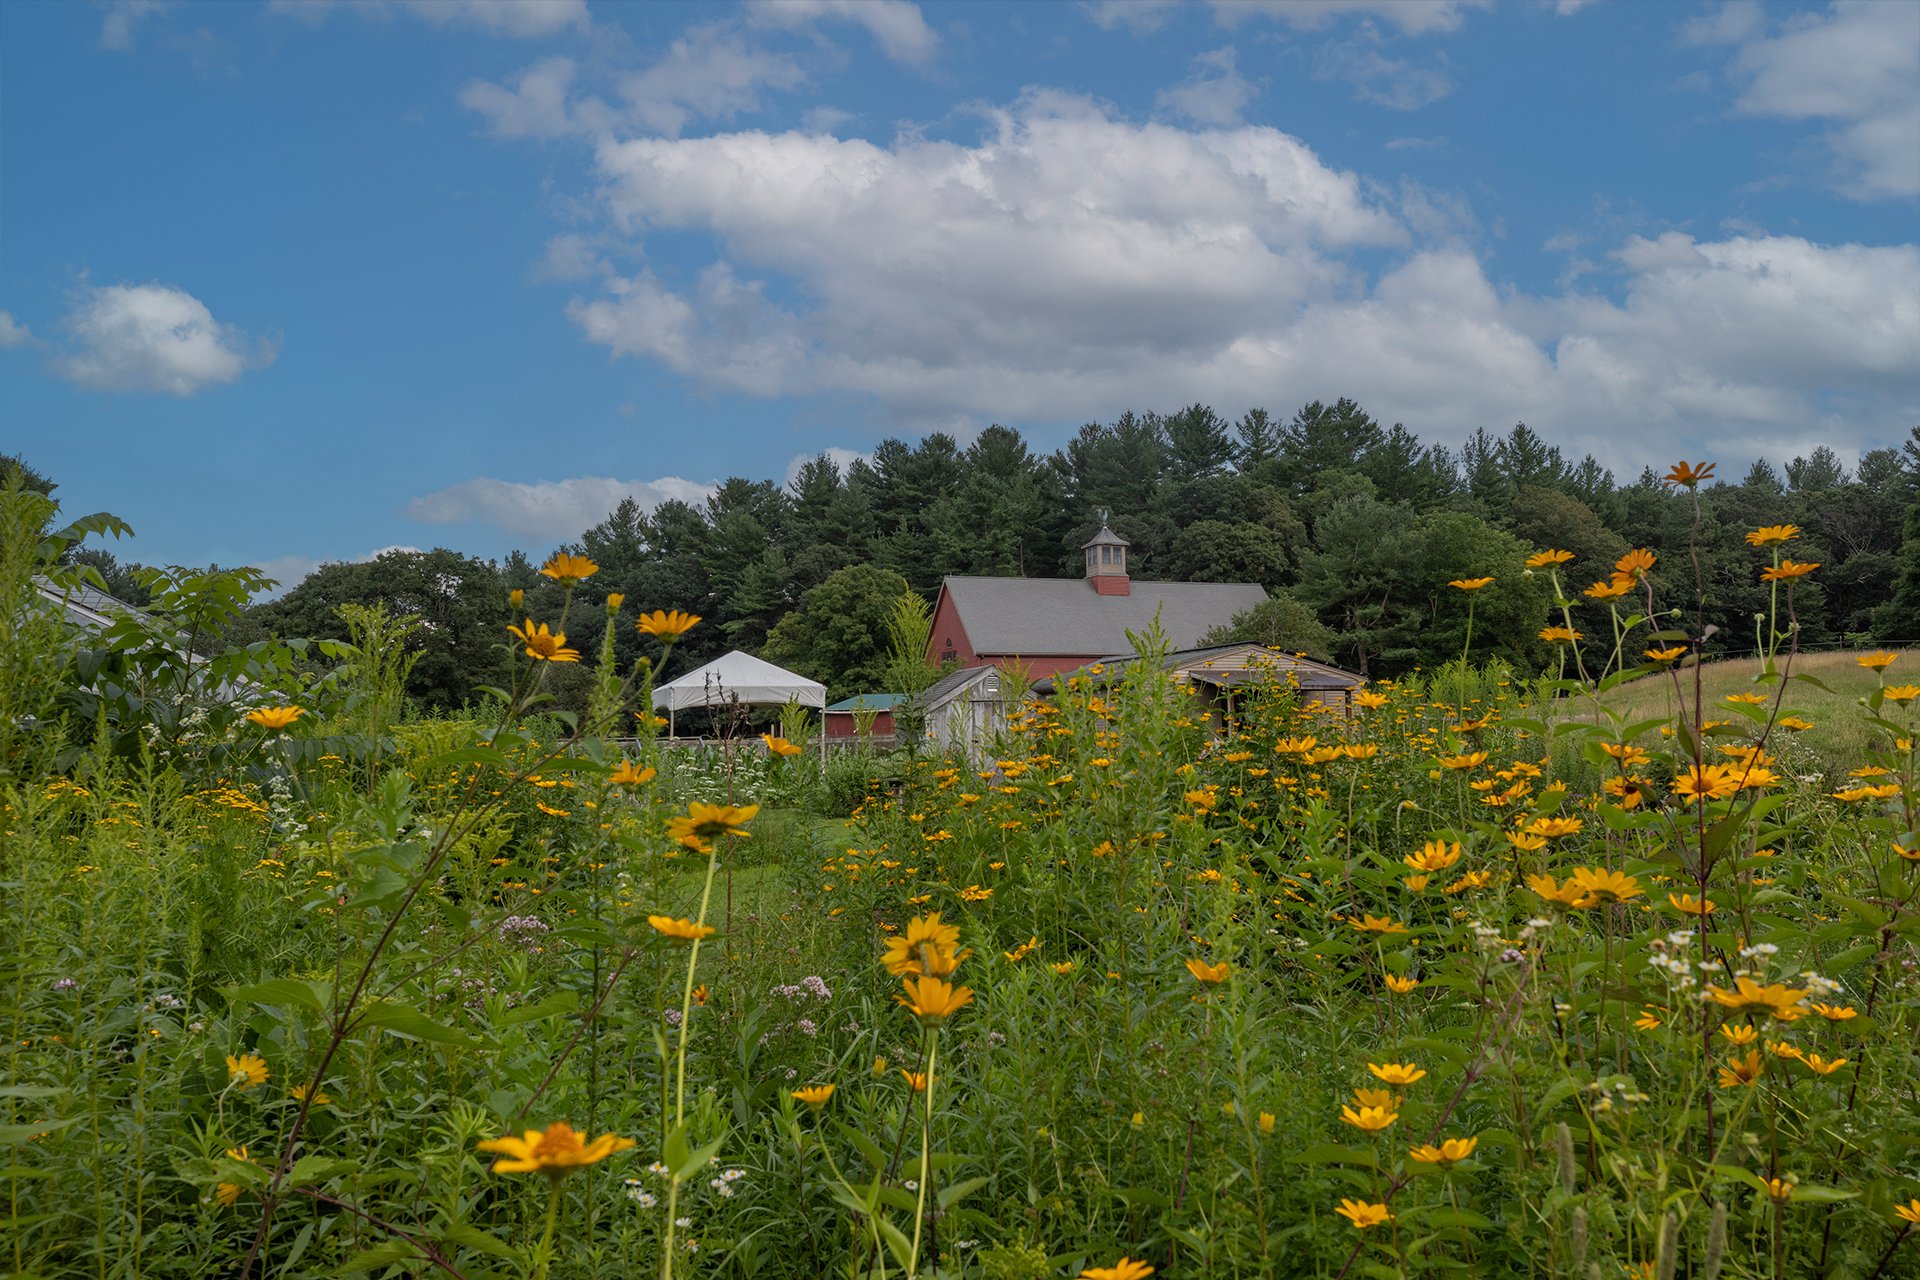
{"points": [[869, 702]]}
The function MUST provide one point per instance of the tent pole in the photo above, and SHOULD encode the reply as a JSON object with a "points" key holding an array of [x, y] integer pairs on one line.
{"points": [[670, 731]]}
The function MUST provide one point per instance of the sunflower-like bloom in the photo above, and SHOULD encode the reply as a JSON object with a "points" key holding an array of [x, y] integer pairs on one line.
{"points": [[1397, 1074], [299, 1093], [1205, 972], [1560, 635], [933, 1001], [1605, 886], [1787, 569], [916, 1080], [1362, 1214], [1554, 828], [1434, 855], [1368, 700], [1878, 661], [1452, 1151], [1665, 655], [628, 775], [1738, 1037], [1898, 693], [1295, 746], [703, 823], [567, 569], [556, 1153], [1775, 1000], [1690, 905], [1370, 1119], [275, 717], [1636, 564], [666, 624], [246, 1071], [1779, 1190], [544, 645], [1377, 924], [1469, 584], [1689, 474], [1400, 985], [1740, 1073], [779, 746], [1471, 760], [1707, 782], [1547, 559], [1908, 1212], [1125, 1269], [1561, 895], [1834, 1013], [1611, 589], [1769, 534], [927, 948], [815, 1095], [1822, 1066], [681, 930]]}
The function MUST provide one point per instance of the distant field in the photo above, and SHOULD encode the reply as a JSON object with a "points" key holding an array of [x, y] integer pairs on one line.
{"points": [[1839, 737]]}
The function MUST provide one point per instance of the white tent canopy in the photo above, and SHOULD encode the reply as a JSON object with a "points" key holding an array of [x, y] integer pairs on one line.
{"points": [[738, 677]]}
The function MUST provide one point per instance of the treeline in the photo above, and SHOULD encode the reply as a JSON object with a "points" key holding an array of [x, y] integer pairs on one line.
{"points": [[1355, 527]]}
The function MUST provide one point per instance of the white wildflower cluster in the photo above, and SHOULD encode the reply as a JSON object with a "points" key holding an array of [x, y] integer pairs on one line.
{"points": [[281, 809], [1485, 936], [1817, 985], [1671, 961], [724, 1183], [637, 1192]]}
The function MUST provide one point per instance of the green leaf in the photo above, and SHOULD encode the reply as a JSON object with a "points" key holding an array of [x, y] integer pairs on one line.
{"points": [[1332, 1153], [405, 1021], [15, 1134], [949, 1195], [462, 1233], [289, 991], [309, 1170], [557, 1003], [695, 1160], [1821, 1195]]}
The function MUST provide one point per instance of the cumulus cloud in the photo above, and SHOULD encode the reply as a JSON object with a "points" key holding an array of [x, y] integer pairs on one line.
{"points": [[841, 458], [1376, 77], [518, 18], [1216, 92], [12, 332], [534, 106], [547, 510], [897, 25], [1858, 66], [1414, 17], [152, 337], [1141, 17], [1069, 264], [122, 17]]}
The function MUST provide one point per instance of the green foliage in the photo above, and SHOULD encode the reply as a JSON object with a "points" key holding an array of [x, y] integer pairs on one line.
{"points": [[840, 634]]}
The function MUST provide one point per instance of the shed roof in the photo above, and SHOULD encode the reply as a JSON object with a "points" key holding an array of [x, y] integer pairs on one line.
{"points": [[869, 702], [1225, 664], [1035, 617], [951, 685]]}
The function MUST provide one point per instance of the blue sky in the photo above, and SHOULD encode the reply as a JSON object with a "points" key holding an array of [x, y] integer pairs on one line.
{"points": [[298, 281]]}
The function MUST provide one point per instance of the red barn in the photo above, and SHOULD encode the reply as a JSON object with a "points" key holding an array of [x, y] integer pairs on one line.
{"points": [[1050, 625]]}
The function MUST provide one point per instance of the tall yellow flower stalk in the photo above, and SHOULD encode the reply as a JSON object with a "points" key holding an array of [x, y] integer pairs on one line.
{"points": [[923, 959]]}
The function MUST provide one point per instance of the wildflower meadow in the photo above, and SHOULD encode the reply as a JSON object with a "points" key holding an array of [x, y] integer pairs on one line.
{"points": [[1586, 972]]}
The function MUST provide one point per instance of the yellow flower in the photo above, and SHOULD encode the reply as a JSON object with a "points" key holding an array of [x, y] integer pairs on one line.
{"points": [[1125, 1269], [1908, 1212], [1554, 828], [1834, 1013], [275, 717], [681, 930], [1469, 584], [628, 775], [544, 645], [933, 1001], [1636, 564], [1434, 855], [1376, 924], [1560, 635], [614, 601], [515, 598], [1665, 655], [1546, 559], [668, 625], [1472, 760], [226, 1194], [1787, 569], [1397, 1074], [1901, 692], [918, 1079], [1266, 1122], [815, 1095], [1612, 589], [1775, 1000], [556, 1153], [1741, 1072], [299, 1094], [1707, 782], [702, 823], [567, 569], [1822, 1066], [1399, 985], [1605, 886], [1205, 972], [1794, 724], [1648, 1021], [927, 947], [1363, 1215], [1691, 905], [1364, 1097], [1563, 895], [1878, 661], [1778, 1191], [778, 745], [1371, 1119], [1771, 533], [246, 1071], [1689, 474], [1739, 1037], [1368, 700], [1452, 1151]]}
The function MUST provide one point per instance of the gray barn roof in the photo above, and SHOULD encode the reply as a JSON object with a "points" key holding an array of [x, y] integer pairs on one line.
{"points": [[1036, 617]]}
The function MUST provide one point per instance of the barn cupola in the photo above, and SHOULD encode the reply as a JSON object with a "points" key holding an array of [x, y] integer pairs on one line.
{"points": [[1107, 561]]}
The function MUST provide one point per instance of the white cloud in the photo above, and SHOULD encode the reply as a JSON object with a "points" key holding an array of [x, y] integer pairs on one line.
{"points": [[709, 73], [897, 24], [519, 18], [571, 256], [12, 332], [1384, 81], [841, 458], [550, 510], [1216, 92], [153, 337], [1733, 22], [117, 27], [1141, 17], [535, 107], [1414, 17], [1069, 264], [1858, 65]]}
